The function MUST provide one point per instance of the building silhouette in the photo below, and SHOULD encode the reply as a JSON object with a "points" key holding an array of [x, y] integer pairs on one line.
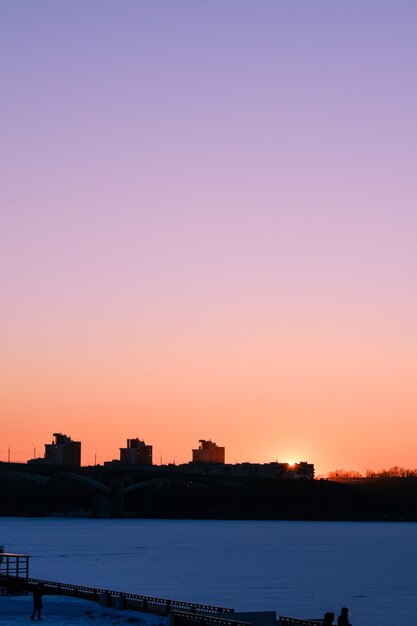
{"points": [[208, 460], [136, 453], [264, 471], [208, 452], [63, 451]]}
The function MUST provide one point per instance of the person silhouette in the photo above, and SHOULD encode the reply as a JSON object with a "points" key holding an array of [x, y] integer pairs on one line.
{"points": [[328, 619], [37, 601], [343, 619]]}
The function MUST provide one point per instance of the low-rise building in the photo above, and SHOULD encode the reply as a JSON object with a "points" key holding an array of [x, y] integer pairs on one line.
{"points": [[273, 470]]}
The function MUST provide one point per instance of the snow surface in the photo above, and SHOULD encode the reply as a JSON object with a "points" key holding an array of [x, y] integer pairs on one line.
{"points": [[64, 611], [301, 569]]}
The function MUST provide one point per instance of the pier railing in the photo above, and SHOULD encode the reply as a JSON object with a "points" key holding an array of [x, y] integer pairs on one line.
{"points": [[294, 621], [14, 565], [182, 613], [116, 599], [183, 618]]}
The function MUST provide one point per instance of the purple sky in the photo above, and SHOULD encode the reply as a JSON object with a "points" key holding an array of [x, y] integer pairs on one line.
{"points": [[208, 227]]}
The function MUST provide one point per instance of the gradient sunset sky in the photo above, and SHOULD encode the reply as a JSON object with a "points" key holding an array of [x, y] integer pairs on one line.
{"points": [[208, 228]]}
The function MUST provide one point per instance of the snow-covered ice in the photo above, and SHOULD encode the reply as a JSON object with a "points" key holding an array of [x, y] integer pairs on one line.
{"points": [[64, 611], [294, 568]]}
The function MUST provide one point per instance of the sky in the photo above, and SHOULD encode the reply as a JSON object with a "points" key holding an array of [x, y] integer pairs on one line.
{"points": [[208, 228]]}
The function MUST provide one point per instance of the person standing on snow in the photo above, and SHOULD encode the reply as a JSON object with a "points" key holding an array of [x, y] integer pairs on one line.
{"points": [[37, 601], [343, 619]]}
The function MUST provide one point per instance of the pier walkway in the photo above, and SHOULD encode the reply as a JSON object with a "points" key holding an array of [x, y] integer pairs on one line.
{"points": [[182, 613], [14, 579]]}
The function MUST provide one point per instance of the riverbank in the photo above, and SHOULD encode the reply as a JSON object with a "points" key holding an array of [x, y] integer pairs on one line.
{"points": [[390, 499]]}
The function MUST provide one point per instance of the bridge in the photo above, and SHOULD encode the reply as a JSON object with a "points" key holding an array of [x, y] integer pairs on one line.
{"points": [[109, 485]]}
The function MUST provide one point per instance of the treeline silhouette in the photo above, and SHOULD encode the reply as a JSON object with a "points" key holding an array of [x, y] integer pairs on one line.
{"points": [[388, 498], [393, 472]]}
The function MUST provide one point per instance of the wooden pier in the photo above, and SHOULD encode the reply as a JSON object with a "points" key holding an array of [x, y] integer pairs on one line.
{"points": [[294, 621], [14, 571], [182, 613], [14, 579]]}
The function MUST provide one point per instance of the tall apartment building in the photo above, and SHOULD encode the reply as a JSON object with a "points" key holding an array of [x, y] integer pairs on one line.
{"points": [[136, 453], [63, 451], [208, 452]]}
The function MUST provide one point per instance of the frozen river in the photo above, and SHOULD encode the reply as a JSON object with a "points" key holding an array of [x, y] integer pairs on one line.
{"points": [[296, 568]]}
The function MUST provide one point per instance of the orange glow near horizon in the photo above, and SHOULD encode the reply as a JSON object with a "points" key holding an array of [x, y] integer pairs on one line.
{"points": [[316, 404]]}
